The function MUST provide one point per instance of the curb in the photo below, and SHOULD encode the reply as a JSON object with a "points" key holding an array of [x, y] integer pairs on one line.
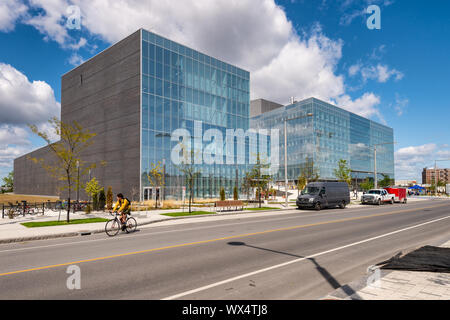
{"points": [[90, 232]]}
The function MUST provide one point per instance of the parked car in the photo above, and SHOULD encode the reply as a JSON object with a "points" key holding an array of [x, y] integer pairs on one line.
{"points": [[400, 194], [320, 195], [377, 196]]}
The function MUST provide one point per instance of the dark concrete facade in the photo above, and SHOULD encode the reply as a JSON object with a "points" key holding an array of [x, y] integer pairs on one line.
{"points": [[103, 96], [260, 106]]}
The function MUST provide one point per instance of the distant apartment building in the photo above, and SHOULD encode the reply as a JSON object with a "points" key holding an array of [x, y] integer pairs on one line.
{"points": [[429, 175]]}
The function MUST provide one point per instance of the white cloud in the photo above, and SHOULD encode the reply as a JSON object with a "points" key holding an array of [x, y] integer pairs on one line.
{"points": [[303, 68], [253, 34], [410, 161], [10, 12], [400, 104], [352, 9], [75, 59], [13, 135], [14, 142], [380, 73], [364, 106], [23, 101]]}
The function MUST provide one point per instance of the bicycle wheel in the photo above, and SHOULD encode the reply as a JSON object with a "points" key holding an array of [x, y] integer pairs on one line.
{"points": [[112, 227], [131, 225]]}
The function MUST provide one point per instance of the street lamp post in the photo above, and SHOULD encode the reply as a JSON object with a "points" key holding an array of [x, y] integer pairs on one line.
{"points": [[78, 181], [285, 154], [164, 182]]}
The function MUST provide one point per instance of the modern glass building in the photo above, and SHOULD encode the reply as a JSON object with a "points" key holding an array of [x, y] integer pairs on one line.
{"points": [[322, 134], [182, 87], [136, 93]]}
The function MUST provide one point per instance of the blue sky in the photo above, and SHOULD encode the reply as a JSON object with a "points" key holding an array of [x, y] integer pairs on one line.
{"points": [[398, 75]]}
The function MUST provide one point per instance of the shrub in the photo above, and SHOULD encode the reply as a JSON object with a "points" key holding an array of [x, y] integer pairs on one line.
{"points": [[88, 209], [222, 194], [109, 199], [102, 200], [235, 193], [95, 201]]}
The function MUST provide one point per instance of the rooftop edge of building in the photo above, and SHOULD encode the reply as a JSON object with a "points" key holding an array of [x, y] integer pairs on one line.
{"points": [[304, 101], [140, 30]]}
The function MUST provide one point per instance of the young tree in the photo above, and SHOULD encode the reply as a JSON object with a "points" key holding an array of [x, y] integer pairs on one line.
{"points": [[8, 183], [134, 193], [247, 184], [67, 151], [155, 177], [188, 169], [367, 184], [301, 183], [235, 193], [222, 194], [386, 181], [93, 188], [309, 171], [109, 199], [343, 172], [259, 180]]}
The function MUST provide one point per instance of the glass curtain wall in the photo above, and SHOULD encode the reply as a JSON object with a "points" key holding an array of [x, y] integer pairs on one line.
{"points": [[330, 134], [179, 86]]}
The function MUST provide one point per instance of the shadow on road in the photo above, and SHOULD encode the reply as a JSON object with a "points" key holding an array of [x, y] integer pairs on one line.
{"points": [[322, 271]]}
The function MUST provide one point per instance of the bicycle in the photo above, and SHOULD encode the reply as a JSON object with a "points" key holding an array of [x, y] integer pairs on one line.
{"points": [[113, 226]]}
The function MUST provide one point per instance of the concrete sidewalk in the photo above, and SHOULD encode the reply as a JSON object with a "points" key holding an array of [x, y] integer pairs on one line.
{"points": [[397, 285]]}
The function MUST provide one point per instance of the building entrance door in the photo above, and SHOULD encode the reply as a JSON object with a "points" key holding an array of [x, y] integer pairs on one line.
{"points": [[152, 193]]}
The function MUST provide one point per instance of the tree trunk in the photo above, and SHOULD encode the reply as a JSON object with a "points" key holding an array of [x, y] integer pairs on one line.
{"points": [[259, 197], [68, 209], [190, 201]]}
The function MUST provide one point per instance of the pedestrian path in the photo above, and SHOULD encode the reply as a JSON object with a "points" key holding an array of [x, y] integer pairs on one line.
{"points": [[397, 285]]}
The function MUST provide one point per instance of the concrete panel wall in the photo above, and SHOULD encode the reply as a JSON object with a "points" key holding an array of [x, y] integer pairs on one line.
{"points": [[30, 178], [103, 96], [260, 106]]}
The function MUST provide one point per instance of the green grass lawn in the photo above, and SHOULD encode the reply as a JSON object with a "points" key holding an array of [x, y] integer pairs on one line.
{"points": [[262, 208], [186, 213], [62, 223]]}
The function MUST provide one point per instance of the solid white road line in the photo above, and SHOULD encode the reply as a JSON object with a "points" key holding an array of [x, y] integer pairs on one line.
{"points": [[183, 294]]}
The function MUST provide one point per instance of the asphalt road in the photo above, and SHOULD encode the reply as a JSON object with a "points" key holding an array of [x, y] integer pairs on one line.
{"points": [[300, 255]]}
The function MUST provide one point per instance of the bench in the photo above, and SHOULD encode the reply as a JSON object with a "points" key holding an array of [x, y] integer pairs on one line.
{"points": [[229, 205]]}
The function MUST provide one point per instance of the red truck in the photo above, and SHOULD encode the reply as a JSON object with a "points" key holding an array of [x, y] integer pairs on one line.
{"points": [[400, 194]]}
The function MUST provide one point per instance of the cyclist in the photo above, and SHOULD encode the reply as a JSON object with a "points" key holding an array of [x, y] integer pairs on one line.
{"points": [[123, 207]]}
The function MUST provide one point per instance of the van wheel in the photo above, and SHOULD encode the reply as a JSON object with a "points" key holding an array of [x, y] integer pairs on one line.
{"points": [[318, 206], [342, 205]]}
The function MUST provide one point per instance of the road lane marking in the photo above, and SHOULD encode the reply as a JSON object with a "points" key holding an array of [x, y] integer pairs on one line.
{"points": [[131, 237], [215, 240], [186, 293]]}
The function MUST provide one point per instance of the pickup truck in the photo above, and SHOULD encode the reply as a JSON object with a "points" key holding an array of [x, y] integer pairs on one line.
{"points": [[377, 196]]}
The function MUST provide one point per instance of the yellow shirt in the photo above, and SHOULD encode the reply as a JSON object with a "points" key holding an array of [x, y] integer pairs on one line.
{"points": [[122, 205]]}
